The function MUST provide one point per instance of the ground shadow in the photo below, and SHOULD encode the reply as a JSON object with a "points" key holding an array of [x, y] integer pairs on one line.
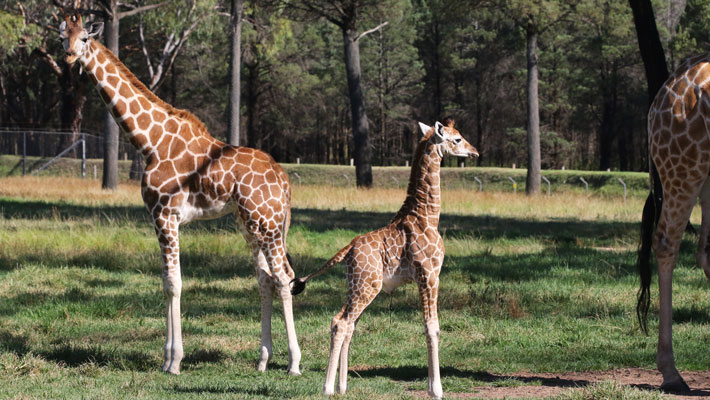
{"points": [[317, 220]]}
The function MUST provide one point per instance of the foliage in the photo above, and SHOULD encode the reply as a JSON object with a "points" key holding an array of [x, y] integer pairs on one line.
{"points": [[14, 32], [433, 58]]}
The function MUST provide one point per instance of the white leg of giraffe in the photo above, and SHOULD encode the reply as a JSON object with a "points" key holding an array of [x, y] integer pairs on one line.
{"points": [[429, 297], [666, 243], [167, 231], [343, 367], [294, 352], [277, 260], [703, 254], [360, 294], [337, 336], [266, 292]]}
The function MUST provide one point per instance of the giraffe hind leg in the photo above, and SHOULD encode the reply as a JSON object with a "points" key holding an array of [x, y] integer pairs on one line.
{"points": [[341, 332], [666, 244], [703, 254], [276, 259]]}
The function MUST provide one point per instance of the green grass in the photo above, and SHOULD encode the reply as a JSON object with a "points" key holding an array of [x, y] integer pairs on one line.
{"points": [[82, 315]]}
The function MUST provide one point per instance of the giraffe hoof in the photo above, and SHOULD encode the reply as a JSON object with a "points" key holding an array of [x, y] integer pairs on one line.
{"points": [[172, 371], [675, 386], [294, 372]]}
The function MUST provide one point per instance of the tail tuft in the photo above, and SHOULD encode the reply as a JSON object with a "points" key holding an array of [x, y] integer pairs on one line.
{"points": [[297, 286], [644, 263]]}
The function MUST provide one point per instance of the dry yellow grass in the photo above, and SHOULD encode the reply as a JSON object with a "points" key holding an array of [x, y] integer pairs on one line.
{"points": [[72, 190], [454, 201]]}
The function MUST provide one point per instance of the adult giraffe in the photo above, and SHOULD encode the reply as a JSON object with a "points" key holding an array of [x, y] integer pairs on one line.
{"points": [[408, 249], [190, 175], [679, 148]]}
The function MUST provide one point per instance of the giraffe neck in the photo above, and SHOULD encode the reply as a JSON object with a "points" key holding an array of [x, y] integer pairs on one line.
{"points": [[136, 110], [424, 191]]}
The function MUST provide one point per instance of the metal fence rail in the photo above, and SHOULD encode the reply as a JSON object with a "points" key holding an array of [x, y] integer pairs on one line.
{"points": [[47, 147]]}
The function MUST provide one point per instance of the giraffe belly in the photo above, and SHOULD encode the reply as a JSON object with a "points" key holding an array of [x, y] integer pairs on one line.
{"points": [[189, 212], [395, 278]]}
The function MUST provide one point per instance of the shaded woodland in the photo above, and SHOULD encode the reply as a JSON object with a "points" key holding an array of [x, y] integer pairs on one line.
{"points": [[431, 59]]}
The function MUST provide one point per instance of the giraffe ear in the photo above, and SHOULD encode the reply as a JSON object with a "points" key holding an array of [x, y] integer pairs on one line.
{"points": [[439, 130], [96, 29], [424, 128]]}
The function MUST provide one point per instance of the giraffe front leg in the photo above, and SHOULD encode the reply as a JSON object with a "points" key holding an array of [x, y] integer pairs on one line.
{"points": [[167, 230], [429, 293]]}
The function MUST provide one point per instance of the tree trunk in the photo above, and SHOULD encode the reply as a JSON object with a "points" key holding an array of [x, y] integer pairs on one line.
{"points": [[73, 99], [437, 71], [110, 174], [235, 23], [252, 98], [532, 182], [479, 116], [654, 60], [360, 127], [606, 135]]}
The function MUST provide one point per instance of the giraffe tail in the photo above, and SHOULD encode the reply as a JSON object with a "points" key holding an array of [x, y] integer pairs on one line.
{"points": [[651, 212], [299, 284]]}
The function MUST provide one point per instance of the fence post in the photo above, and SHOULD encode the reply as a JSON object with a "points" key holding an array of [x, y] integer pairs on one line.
{"points": [[515, 184], [624, 184], [586, 185], [480, 184], [24, 153], [83, 155], [548, 184]]}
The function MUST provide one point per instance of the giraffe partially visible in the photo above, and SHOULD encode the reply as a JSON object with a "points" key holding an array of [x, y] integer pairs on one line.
{"points": [[408, 249], [679, 149], [190, 175]]}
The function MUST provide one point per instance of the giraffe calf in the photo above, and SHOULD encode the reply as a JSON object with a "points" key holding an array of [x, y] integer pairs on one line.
{"points": [[408, 249]]}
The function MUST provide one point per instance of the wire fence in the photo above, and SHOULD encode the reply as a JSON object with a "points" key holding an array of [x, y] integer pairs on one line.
{"points": [[50, 152], [56, 152]]}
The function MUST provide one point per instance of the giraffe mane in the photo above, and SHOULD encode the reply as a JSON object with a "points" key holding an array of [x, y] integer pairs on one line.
{"points": [[152, 97], [415, 176]]}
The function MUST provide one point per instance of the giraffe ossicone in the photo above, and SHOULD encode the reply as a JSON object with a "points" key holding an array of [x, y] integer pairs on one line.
{"points": [[190, 175], [408, 249]]}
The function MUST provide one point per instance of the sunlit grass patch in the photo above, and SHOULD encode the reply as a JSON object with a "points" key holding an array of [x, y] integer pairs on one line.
{"points": [[609, 390]]}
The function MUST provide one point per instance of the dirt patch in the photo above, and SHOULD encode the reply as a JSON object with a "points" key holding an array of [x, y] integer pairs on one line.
{"points": [[547, 384]]}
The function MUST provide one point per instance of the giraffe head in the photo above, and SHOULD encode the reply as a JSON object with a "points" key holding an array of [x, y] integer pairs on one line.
{"points": [[448, 140], [74, 36]]}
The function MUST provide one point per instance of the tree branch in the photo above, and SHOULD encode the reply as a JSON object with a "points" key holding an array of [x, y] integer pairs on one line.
{"points": [[141, 37], [42, 52], [378, 27], [139, 10]]}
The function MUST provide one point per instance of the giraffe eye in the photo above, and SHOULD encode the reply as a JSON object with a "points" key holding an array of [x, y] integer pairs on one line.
{"points": [[457, 140]]}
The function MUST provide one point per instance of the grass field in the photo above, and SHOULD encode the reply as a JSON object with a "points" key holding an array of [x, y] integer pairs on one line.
{"points": [[542, 285]]}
